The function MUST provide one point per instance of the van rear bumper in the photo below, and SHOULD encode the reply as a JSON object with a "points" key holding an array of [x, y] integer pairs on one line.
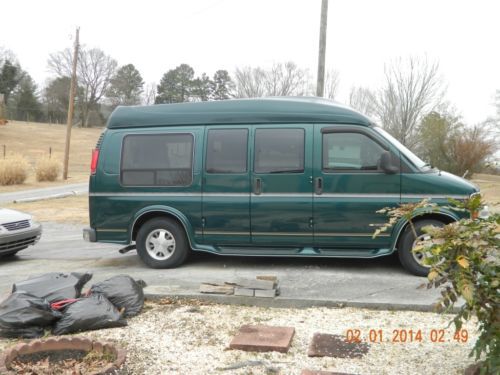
{"points": [[89, 235]]}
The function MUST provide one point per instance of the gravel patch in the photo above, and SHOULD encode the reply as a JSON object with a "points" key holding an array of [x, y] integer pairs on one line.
{"points": [[192, 337]]}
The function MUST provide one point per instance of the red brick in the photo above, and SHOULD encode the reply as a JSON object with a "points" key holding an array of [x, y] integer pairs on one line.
{"points": [[325, 345], [260, 338]]}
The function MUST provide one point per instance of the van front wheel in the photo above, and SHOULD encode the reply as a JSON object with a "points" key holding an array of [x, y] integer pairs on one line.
{"points": [[162, 243], [414, 262]]}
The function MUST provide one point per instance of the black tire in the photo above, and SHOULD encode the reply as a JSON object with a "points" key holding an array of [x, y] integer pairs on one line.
{"points": [[405, 253], [161, 253], [10, 254]]}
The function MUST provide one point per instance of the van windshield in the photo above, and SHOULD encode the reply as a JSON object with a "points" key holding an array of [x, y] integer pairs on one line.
{"points": [[419, 163]]}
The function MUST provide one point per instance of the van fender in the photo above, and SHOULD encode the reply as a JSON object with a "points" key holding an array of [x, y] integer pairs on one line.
{"points": [[163, 210], [401, 224]]}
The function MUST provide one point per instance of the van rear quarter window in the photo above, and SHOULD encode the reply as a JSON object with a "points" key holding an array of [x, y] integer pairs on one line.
{"points": [[157, 160]]}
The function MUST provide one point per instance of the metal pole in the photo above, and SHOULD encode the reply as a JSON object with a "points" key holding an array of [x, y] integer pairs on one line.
{"points": [[71, 106], [320, 86]]}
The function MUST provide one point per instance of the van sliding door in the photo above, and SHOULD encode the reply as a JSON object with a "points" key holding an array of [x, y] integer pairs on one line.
{"points": [[281, 200], [226, 186]]}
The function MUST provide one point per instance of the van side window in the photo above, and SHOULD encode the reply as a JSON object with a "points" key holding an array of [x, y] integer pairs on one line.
{"points": [[350, 151], [227, 151], [157, 160], [279, 151]]}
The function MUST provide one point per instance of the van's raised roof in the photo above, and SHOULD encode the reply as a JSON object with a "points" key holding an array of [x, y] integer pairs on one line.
{"points": [[285, 110]]}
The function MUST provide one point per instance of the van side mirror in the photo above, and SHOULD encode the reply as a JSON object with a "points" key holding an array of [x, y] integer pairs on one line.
{"points": [[386, 163]]}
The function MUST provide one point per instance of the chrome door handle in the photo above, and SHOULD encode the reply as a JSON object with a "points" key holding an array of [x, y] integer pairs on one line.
{"points": [[318, 185], [257, 186]]}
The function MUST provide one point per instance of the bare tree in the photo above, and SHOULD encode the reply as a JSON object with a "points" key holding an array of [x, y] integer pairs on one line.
{"points": [[249, 82], [413, 88], [95, 70], [283, 79], [470, 149], [363, 100], [149, 95], [332, 82]]}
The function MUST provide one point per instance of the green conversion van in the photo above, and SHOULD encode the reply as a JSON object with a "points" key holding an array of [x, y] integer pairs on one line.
{"points": [[291, 177]]}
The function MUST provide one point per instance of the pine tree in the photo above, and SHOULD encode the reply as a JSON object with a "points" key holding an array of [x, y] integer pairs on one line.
{"points": [[176, 86], [126, 86], [25, 102]]}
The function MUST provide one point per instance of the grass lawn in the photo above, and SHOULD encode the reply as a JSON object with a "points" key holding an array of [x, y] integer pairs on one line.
{"points": [[490, 189], [33, 140], [72, 209]]}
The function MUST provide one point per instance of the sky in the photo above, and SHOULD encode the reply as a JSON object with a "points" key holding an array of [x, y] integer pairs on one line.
{"points": [[362, 36]]}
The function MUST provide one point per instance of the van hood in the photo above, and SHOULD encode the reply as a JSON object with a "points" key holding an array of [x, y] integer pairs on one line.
{"points": [[467, 186], [9, 216]]}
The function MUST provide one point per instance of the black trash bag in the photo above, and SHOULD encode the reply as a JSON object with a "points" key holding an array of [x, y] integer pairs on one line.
{"points": [[123, 292], [28, 332], [86, 314], [54, 286], [25, 315]]}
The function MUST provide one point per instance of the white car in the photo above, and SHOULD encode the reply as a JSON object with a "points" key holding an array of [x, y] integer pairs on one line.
{"points": [[17, 231]]}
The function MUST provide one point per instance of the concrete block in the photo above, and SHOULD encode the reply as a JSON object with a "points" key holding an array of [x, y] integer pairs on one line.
{"points": [[244, 292], [265, 293], [253, 284]]}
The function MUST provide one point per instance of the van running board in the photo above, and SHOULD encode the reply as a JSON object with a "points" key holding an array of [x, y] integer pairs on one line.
{"points": [[126, 249], [299, 252]]}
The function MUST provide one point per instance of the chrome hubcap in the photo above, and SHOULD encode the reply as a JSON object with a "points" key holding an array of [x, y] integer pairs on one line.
{"points": [[420, 256], [160, 244]]}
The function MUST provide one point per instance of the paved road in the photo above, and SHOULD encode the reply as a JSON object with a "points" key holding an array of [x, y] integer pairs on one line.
{"points": [[375, 283], [44, 192]]}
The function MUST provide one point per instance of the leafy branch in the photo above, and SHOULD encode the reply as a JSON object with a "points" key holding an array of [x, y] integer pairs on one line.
{"points": [[464, 260]]}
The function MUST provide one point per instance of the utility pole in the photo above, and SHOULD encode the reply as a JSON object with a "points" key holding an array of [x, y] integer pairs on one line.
{"points": [[320, 86], [3, 112], [71, 105]]}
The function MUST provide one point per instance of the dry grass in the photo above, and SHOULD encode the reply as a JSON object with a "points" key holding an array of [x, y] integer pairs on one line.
{"points": [[490, 189], [32, 140], [74, 209], [13, 170], [47, 170]]}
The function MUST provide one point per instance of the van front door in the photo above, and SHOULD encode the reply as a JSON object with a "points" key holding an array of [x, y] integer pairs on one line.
{"points": [[350, 186], [281, 199], [226, 186]]}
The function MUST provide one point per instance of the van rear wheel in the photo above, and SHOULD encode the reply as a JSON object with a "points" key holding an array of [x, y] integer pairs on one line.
{"points": [[162, 243], [411, 261]]}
